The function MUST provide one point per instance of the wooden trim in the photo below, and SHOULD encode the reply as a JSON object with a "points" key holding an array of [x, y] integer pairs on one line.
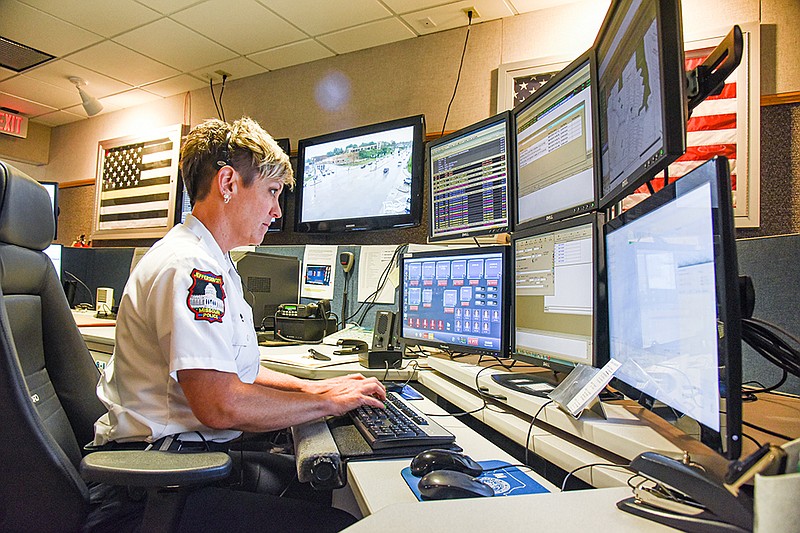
{"points": [[76, 183], [782, 98]]}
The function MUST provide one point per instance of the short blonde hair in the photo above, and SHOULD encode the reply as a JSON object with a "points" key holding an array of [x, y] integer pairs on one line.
{"points": [[244, 145]]}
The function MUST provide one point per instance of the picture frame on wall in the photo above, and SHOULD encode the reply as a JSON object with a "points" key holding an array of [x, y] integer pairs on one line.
{"points": [[518, 80], [137, 184]]}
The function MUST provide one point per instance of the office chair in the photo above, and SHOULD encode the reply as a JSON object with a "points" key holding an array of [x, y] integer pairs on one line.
{"points": [[48, 404]]}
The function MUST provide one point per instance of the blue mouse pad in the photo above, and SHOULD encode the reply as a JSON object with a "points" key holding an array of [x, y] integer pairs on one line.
{"points": [[506, 482]]}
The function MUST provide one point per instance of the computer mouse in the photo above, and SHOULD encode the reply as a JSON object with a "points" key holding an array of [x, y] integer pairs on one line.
{"points": [[436, 459], [448, 485]]}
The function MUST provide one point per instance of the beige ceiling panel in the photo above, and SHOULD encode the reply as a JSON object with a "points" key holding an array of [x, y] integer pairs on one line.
{"points": [[453, 15], [99, 16], [24, 107], [130, 98], [41, 92], [367, 36], [122, 64], [167, 41], [57, 73], [237, 68], [315, 17], [57, 118], [176, 85], [291, 54], [44, 32], [167, 7], [264, 29]]}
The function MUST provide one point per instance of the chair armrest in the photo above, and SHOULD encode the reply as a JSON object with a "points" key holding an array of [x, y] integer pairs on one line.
{"points": [[155, 468]]}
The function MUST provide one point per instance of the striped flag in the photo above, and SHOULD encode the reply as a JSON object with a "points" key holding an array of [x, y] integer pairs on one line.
{"points": [[711, 131], [136, 185]]}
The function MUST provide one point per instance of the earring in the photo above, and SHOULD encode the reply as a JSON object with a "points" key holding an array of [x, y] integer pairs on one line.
{"points": [[226, 198]]}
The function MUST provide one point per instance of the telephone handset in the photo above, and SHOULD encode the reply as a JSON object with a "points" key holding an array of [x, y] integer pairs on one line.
{"points": [[686, 497]]}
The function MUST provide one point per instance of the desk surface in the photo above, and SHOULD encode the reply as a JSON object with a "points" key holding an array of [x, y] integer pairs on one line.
{"points": [[579, 512]]}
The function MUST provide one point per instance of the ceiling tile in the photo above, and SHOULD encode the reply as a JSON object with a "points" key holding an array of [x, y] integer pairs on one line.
{"points": [[41, 92], [524, 6], [39, 30], [99, 16], [122, 64], [237, 68], [367, 36], [172, 86], [264, 29], [130, 98], [5, 73], [24, 107], [57, 73], [453, 16], [408, 6], [167, 6], [80, 111], [291, 54], [315, 17], [167, 41], [57, 118]]}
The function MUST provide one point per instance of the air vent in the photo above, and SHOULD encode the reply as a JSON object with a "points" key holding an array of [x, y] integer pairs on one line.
{"points": [[18, 57]]}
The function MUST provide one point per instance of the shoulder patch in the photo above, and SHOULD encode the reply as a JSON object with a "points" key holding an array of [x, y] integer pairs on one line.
{"points": [[206, 297]]}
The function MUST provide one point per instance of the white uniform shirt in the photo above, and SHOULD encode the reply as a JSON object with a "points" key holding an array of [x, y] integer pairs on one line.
{"points": [[182, 308]]}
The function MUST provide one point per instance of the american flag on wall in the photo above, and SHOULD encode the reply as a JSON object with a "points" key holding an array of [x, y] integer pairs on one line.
{"points": [[710, 131], [136, 183]]}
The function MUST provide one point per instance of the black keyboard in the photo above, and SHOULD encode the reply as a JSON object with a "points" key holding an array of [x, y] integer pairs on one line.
{"points": [[399, 425]]}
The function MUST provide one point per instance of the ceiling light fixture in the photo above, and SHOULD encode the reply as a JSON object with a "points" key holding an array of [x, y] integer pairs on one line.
{"points": [[90, 104]]}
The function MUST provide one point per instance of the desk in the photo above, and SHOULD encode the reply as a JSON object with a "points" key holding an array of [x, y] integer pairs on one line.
{"points": [[294, 360], [569, 512]]}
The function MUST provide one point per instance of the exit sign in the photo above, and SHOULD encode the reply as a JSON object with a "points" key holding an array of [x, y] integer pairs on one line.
{"points": [[13, 124]]}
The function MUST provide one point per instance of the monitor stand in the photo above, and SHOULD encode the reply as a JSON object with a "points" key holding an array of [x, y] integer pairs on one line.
{"points": [[535, 384], [542, 383]]}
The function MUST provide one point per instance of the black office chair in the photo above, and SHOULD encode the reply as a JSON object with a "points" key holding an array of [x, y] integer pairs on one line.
{"points": [[48, 404]]}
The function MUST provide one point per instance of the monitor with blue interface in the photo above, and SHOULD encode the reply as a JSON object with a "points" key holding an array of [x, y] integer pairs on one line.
{"points": [[673, 304], [641, 93], [469, 172], [364, 178], [556, 321], [455, 300], [557, 164]]}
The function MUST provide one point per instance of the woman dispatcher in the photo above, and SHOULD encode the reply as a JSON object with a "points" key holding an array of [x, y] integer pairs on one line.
{"points": [[185, 371]]}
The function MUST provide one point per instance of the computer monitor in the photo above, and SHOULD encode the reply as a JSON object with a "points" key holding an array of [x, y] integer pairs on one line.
{"points": [[673, 304], [268, 280], [557, 164], [556, 320], [54, 253], [364, 178], [52, 190], [469, 180], [641, 93], [454, 300]]}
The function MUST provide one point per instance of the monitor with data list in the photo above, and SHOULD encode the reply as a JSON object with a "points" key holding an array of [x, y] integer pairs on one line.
{"points": [[556, 320], [673, 304], [364, 178], [469, 180], [454, 300], [641, 82], [557, 166]]}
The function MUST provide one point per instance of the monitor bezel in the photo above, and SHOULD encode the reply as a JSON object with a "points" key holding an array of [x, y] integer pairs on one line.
{"points": [[407, 220], [458, 348], [505, 117], [599, 331], [674, 107], [551, 85], [56, 210], [729, 313]]}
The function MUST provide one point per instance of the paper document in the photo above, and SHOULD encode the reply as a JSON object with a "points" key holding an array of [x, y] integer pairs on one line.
{"points": [[371, 264], [319, 269]]}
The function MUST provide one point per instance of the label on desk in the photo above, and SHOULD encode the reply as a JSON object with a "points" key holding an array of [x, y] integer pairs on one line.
{"points": [[509, 481]]}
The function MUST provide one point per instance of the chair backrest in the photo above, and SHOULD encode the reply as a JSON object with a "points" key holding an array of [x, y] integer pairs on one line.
{"points": [[47, 377]]}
